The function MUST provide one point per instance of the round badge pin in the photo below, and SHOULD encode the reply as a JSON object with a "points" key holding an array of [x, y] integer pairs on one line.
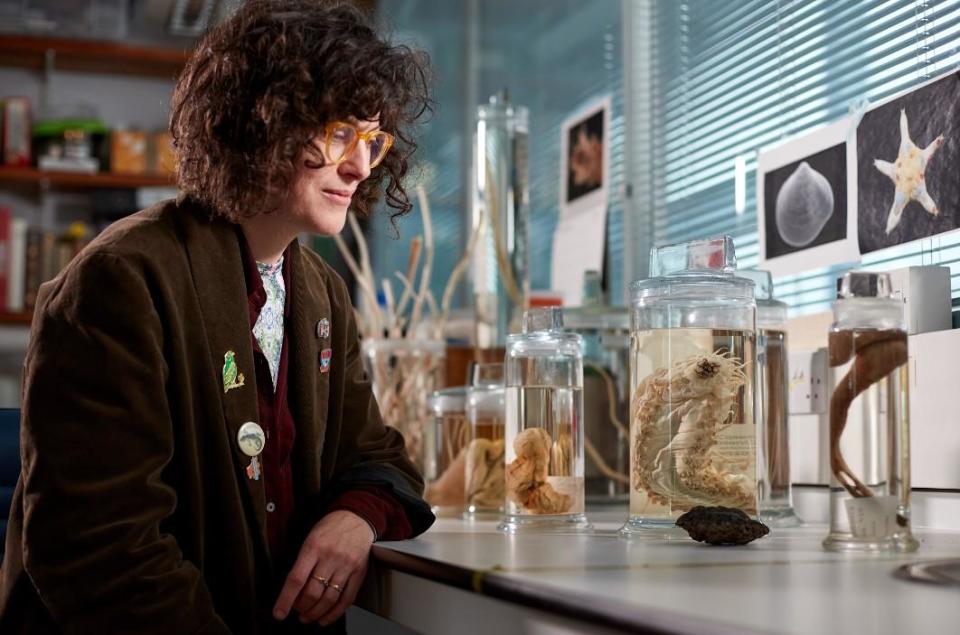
{"points": [[251, 438]]}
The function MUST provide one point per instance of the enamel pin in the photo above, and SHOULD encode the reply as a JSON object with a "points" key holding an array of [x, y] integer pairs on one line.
{"points": [[323, 329], [325, 356], [251, 439], [231, 378], [253, 470]]}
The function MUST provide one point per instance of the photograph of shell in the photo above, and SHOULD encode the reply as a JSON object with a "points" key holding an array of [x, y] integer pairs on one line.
{"points": [[908, 150], [804, 202]]}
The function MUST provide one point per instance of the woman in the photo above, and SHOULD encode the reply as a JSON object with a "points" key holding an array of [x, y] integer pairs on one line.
{"points": [[201, 448]]}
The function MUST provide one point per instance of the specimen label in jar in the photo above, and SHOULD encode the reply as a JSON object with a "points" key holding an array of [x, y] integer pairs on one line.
{"points": [[544, 429], [693, 437]]}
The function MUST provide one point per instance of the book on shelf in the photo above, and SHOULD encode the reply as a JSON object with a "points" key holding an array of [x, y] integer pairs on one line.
{"points": [[30, 256]]}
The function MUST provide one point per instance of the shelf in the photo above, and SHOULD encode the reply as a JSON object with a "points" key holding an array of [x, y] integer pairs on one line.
{"points": [[14, 319], [91, 56], [79, 180]]}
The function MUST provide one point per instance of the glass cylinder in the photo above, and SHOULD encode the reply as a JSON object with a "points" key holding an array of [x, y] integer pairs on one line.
{"points": [[606, 344], [869, 426], [500, 268], [544, 443], [403, 373], [693, 359], [446, 442], [773, 433], [484, 456]]}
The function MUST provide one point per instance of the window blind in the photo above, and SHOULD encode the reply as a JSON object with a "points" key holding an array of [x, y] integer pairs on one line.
{"points": [[552, 57], [717, 81]]}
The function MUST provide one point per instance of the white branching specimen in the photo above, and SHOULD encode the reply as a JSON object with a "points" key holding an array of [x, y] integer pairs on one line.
{"points": [[403, 374], [679, 412]]}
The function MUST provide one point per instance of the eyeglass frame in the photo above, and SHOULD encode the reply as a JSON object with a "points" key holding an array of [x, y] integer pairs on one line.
{"points": [[360, 136]]}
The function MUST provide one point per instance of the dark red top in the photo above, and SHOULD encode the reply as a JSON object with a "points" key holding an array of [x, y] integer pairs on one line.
{"points": [[383, 512]]}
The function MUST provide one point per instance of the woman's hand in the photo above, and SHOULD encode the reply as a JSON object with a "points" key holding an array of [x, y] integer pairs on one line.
{"points": [[329, 569]]}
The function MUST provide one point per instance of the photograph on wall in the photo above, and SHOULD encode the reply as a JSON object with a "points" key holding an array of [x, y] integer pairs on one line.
{"points": [[908, 151], [804, 202], [579, 240], [585, 155]]}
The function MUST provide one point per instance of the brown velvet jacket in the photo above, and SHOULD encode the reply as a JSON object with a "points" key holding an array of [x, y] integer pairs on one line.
{"points": [[134, 512]]}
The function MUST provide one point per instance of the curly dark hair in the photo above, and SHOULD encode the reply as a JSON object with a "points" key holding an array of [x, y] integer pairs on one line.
{"points": [[259, 87]]}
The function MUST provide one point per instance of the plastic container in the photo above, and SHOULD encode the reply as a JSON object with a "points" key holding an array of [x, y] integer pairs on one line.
{"points": [[869, 426], [544, 426], [693, 358]]}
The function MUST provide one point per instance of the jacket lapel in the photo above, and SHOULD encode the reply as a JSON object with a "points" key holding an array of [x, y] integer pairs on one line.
{"points": [[217, 268], [308, 388]]}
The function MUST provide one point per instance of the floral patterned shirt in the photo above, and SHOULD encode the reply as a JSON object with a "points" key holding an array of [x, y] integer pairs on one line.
{"points": [[269, 327]]}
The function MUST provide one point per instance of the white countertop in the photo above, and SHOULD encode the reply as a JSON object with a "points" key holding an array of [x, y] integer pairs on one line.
{"points": [[784, 583]]}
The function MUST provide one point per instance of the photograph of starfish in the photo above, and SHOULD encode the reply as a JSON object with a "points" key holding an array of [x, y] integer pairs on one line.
{"points": [[907, 157]]}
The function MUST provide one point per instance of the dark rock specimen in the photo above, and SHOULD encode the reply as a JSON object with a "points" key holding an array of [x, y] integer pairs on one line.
{"points": [[721, 526]]}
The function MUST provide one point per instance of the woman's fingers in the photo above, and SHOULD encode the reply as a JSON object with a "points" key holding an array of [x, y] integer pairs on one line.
{"points": [[347, 595], [334, 591], [315, 587]]}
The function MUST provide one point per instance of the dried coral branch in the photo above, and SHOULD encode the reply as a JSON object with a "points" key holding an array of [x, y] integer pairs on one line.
{"points": [[370, 327], [458, 270], [417, 311], [413, 261]]}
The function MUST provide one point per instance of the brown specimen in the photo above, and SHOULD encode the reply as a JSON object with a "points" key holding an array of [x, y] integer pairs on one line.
{"points": [[875, 354], [527, 475]]}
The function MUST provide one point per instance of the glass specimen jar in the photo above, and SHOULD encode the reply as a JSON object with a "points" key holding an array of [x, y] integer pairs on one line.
{"points": [[869, 426], [544, 442], [693, 359], [773, 446], [446, 442], [484, 454], [606, 398]]}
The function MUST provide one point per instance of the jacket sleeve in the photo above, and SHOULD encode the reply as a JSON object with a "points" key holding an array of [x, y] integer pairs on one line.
{"points": [[369, 453], [96, 437]]}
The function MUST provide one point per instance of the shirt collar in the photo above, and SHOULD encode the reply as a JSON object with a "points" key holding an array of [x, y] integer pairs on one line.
{"points": [[256, 294]]}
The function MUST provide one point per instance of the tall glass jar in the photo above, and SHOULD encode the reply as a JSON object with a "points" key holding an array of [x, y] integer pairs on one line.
{"points": [[606, 398], [500, 267], [869, 426], [544, 444], [773, 443], [484, 455], [693, 358], [446, 442]]}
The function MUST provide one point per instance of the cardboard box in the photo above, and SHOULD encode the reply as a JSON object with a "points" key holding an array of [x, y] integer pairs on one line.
{"points": [[163, 158], [128, 152]]}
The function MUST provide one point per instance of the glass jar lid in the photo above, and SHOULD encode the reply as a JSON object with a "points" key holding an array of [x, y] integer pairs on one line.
{"points": [[865, 300], [543, 332], [597, 318], [769, 311], [448, 400], [691, 270]]}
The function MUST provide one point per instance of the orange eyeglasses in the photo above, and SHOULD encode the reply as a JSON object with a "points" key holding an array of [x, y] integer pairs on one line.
{"points": [[341, 139]]}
